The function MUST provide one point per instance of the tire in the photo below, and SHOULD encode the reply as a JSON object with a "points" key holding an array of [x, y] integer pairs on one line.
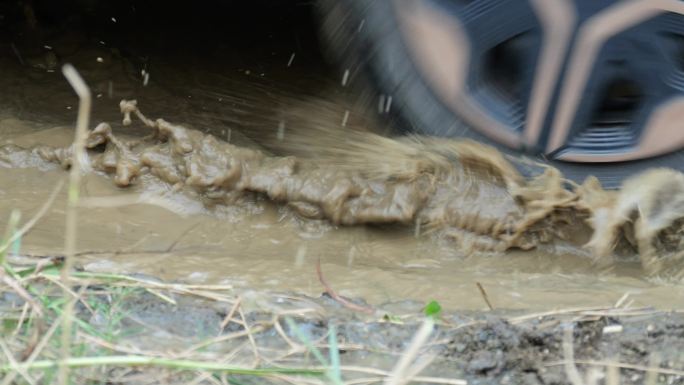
{"points": [[625, 115]]}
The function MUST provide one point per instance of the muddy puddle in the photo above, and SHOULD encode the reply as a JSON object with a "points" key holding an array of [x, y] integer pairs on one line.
{"points": [[253, 243], [262, 248], [275, 189]]}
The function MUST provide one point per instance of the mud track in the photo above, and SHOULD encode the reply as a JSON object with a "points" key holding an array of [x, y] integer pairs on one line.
{"points": [[461, 190]]}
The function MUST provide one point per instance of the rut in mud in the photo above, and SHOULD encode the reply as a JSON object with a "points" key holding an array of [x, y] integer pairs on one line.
{"points": [[463, 191]]}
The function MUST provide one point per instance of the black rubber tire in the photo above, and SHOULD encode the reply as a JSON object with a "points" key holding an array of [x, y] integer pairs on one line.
{"points": [[362, 36]]}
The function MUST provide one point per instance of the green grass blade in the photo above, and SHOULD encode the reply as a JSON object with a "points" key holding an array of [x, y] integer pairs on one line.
{"points": [[335, 374], [307, 342]]}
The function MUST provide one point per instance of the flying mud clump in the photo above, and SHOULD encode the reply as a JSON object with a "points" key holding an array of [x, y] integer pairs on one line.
{"points": [[460, 190]]}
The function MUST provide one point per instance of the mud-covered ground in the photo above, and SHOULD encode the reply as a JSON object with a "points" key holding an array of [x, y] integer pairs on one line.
{"points": [[143, 317], [256, 181]]}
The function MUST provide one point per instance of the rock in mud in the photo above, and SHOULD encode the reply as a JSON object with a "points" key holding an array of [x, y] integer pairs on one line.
{"points": [[485, 361]]}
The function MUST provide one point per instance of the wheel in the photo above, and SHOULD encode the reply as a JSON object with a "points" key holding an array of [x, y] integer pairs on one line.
{"points": [[592, 87]]}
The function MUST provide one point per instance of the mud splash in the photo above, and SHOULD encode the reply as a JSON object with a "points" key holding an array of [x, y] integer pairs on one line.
{"points": [[458, 190]]}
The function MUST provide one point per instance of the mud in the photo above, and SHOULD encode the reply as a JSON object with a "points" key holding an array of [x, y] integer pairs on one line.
{"points": [[205, 216], [460, 190], [615, 345], [259, 169], [482, 349], [411, 211]]}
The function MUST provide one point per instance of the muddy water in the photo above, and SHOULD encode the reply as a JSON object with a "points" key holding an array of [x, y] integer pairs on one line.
{"points": [[255, 244], [259, 249], [431, 227]]}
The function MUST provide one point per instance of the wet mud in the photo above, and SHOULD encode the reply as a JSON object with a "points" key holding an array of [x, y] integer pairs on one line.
{"points": [[392, 225], [256, 170], [616, 345], [463, 191]]}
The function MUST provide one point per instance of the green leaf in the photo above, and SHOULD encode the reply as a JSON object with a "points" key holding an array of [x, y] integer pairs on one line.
{"points": [[433, 309]]}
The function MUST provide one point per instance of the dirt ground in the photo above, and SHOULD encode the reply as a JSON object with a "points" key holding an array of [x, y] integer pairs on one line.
{"points": [[591, 346], [187, 276]]}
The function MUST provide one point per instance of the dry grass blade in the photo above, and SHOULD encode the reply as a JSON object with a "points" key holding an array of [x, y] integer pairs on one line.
{"points": [[652, 376], [575, 310], [252, 342], [120, 280], [245, 333], [43, 342], [229, 317], [22, 319], [118, 348], [78, 162], [15, 367], [400, 374], [569, 355], [36, 350], [620, 365], [294, 347], [162, 296], [383, 374], [74, 296], [21, 292]]}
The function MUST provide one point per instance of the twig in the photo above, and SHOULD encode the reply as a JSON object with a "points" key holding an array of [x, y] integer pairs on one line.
{"points": [[344, 302], [484, 295]]}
